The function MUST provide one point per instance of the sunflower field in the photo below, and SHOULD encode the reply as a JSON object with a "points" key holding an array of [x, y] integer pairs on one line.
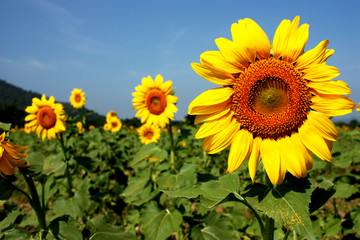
{"points": [[259, 159]]}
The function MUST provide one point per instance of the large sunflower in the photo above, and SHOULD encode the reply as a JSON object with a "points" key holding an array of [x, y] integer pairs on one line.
{"points": [[10, 157], [77, 98], [154, 102], [46, 117], [275, 101], [148, 133]]}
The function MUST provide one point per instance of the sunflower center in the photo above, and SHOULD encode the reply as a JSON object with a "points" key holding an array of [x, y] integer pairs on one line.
{"points": [[156, 101], [46, 117], [114, 124], [149, 134], [271, 99], [77, 98]]}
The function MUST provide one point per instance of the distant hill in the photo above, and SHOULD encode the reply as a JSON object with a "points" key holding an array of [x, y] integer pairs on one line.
{"points": [[14, 100]]}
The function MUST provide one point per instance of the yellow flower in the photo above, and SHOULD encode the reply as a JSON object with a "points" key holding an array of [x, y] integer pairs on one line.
{"points": [[358, 107], [80, 127], [148, 133], [183, 143], [91, 127], [77, 98], [154, 101], [107, 126], [27, 128], [115, 124], [275, 102], [46, 117], [10, 157], [110, 115]]}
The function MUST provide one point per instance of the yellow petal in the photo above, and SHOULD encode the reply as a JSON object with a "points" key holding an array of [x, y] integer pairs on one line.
{"points": [[210, 101], [332, 105], [240, 149], [212, 116], [280, 42], [158, 80], [292, 155], [215, 59], [258, 38], [328, 53], [213, 74], [314, 142], [213, 127], [254, 158], [331, 87], [221, 140], [313, 56], [231, 53], [321, 73], [270, 154], [148, 82], [323, 126]]}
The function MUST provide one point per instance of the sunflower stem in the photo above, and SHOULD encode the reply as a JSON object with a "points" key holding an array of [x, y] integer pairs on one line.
{"points": [[67, 171], [172, 152], [257, 216], [269, 222], [35, 201]]}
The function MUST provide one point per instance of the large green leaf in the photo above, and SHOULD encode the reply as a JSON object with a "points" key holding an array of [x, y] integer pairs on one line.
{"points": [[288, 204], [159, 224], [102, 230], [147, 151], [185, 178], [17, 234], [213, 192], [36, 160], [65, 227], [9, 220], [321, 195]]}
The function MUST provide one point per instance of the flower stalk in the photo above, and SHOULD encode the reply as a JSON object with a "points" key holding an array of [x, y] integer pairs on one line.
{"points": [[34, 200], [172, 151], [269, 222], [67, 171]]}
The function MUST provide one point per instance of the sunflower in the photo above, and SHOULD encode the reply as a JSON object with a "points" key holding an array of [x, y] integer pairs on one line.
{"points": [[358, 107], [110, 115], [107, 126], [148, 133], [46, 117], [154, 101], [77, 98], [80, 127], [10, 157], [275, 101]]}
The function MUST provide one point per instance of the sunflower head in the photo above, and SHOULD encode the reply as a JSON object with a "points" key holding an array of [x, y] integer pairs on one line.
{"points": [[115, 124], [149, 133], [10, 157], [273, 102], [46, 117], [110, 115], [77, 98], [154, 101]]}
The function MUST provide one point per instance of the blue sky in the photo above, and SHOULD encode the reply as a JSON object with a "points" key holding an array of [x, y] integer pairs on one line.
{"points": [[107, 47]]}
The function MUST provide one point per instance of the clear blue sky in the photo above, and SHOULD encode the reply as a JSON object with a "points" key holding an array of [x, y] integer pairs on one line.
{"points": [[106, 47]]}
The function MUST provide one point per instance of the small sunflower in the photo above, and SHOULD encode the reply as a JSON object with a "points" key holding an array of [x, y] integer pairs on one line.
{"points": [[115, 124], [10, 157], [274, 102], [110, 115], [154, 101], [358, 107], [46, 117], [77, 98], [148, 133], [79, 125], [107, 126]]}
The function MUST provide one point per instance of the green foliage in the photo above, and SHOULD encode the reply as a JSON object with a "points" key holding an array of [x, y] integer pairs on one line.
{"points": [[122, 189]]}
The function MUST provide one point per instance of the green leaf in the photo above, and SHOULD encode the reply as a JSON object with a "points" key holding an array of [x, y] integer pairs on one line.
{"points": [[36, 161], [212, 192], [101, 230], [333, 226], [6, 189], [88, 163], [150, 150], [345, 190], [217, 233], [62, 206], [65, 227], [321, 195], [9, 220], [159, 224], [17, 234], [287, 203], [5, 126], [185, 178]]}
